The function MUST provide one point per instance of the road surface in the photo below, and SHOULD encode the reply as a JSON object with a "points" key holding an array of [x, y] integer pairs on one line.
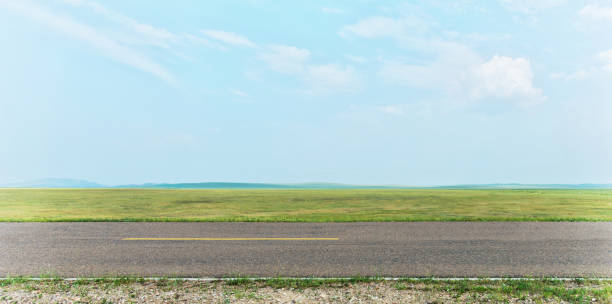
{"points": [[453, 249]]}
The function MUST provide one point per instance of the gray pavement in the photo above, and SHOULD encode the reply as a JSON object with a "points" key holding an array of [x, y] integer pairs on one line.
{"points": [[454, 249]]}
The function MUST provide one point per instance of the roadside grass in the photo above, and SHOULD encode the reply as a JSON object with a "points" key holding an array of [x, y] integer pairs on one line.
{"points": [[579, 290], [354, 205]]}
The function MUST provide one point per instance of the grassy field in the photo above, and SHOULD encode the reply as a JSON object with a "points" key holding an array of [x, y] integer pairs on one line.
{"points": [[304, 205]]}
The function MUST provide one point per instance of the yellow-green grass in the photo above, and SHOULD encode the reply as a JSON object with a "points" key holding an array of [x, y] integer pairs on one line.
{"points": [[304, 205]]}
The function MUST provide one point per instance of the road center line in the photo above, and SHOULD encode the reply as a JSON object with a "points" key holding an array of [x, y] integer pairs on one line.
{"points": [[232, 239]]}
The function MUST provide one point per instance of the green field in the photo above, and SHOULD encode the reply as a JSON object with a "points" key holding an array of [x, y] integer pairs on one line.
{"points": [[304, 205]]}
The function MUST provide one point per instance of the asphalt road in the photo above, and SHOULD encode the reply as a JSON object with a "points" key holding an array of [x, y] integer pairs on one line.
{"points": [[349, 249]]}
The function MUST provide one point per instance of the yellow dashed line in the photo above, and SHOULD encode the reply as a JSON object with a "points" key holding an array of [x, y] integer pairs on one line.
{"points": [[233, 239]]}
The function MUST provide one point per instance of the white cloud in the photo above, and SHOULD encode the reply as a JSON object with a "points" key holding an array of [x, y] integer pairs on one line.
{"points": [[531, 6], [105, 44], [596, 12], [505, 77], [332, 10], [285, 59], [229, 37], [332, 77], [456, 70], [386, 27], [606, 58], [500, 77]]}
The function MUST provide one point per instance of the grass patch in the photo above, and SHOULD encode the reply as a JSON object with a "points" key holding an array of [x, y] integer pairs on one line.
{"points": [[583, 292], [182, 205], [301, 283]]}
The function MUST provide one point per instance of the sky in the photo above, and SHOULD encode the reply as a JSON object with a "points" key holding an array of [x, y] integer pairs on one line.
{"points": [[362, 92]]}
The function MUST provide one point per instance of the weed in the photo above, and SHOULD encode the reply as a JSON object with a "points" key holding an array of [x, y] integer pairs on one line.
{"points": [[400, 286]]}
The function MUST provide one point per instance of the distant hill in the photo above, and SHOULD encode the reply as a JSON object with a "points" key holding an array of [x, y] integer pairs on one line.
{"points": [[55, 183], [527, 186], [227, 185], [76, 183]]}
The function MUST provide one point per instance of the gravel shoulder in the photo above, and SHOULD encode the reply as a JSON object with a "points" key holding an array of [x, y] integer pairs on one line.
{"points": [[304, 291]]}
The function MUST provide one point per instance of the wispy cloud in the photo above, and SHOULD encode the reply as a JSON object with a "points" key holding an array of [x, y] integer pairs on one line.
{"points": [[606, 58], [577, 75], [105, 44], [137, 32], [603, 63], [332, 77], [354, 58], [531, 6], [386, 27], [240, 93], [151, 34], [392, 110], [596, 12], [332, 10], [202, 41], [285, 59], [229, 38], [321, 78]]}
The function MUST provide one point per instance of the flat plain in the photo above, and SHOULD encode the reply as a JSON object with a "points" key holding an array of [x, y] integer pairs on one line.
{"points": [[330, 205]]}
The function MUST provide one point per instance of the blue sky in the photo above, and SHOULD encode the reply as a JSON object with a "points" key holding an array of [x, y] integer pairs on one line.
{"points": [[367, 92]]}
